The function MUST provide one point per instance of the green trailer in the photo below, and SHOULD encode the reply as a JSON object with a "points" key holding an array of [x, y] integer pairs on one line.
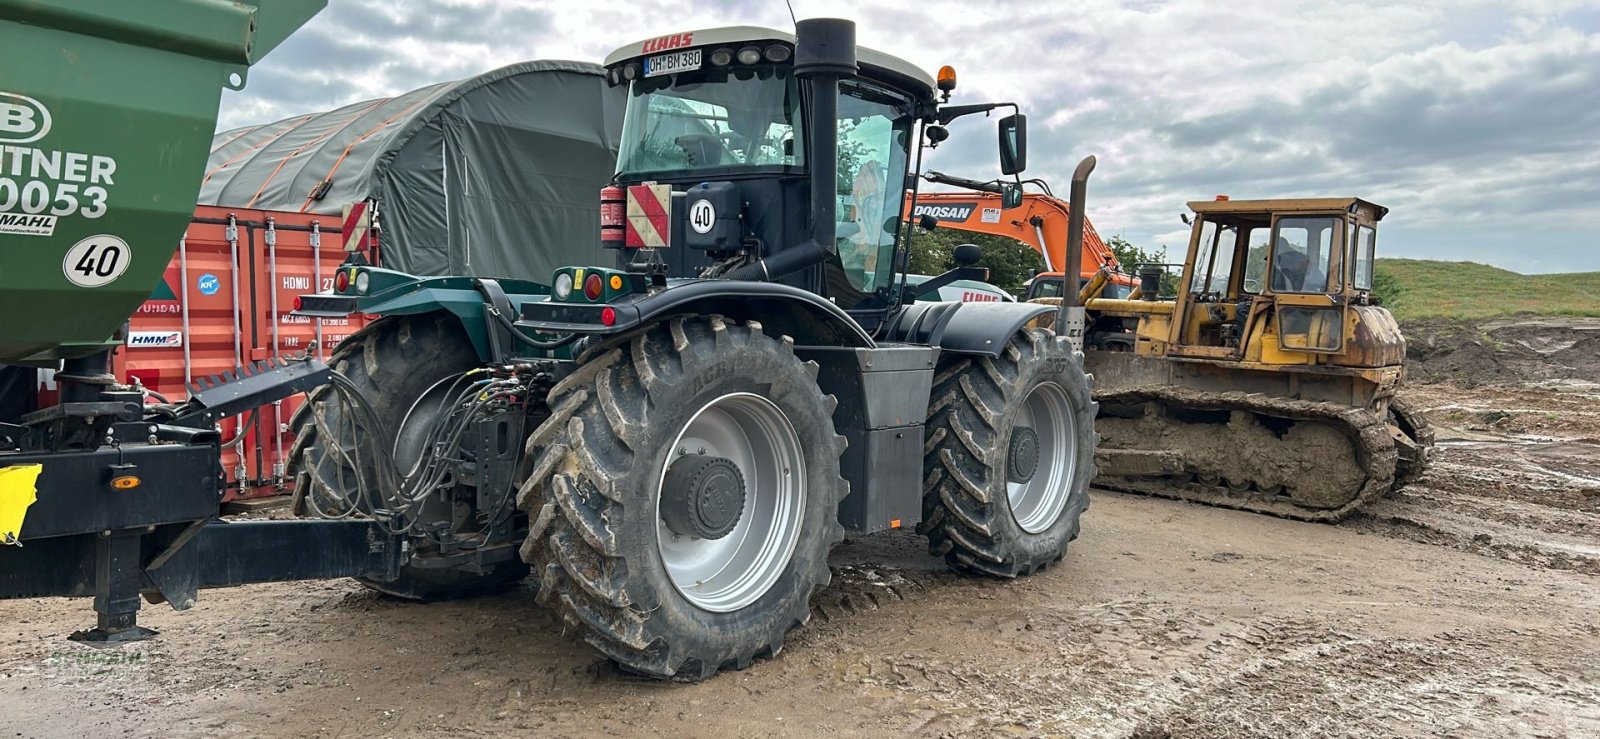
{"points": [[106, 114]]}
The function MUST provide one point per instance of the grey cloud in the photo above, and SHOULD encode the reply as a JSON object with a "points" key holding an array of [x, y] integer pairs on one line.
{"points": [[1475, 121]]}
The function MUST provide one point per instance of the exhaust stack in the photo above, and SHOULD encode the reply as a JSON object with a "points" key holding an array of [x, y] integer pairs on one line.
{"points": [[1070, 319]]}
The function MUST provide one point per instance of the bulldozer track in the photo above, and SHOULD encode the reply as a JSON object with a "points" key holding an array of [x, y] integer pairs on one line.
{"points": [[1367, 432], [1409, 467]]}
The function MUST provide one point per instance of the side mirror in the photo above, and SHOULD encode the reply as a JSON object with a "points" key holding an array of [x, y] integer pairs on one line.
{"points": [[1010, 196], [967, 255], [927, 222], [1013, 143]]}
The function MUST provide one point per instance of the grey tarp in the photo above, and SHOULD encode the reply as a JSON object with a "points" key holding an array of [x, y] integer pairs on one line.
{"points": [[497, 175]]}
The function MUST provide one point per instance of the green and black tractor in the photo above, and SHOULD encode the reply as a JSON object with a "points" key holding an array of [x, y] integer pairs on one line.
{"points": [[673, 442]]}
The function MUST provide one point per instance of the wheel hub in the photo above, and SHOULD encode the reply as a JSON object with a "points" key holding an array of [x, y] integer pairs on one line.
{"points": [[702, 496], [1022, 460]]}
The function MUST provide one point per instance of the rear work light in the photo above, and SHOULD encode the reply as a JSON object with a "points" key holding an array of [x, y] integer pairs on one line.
{"points": [[593, 286], [563, 287]]}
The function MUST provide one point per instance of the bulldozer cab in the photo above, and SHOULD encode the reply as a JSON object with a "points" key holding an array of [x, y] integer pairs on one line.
{"points": [[1287, 269]]}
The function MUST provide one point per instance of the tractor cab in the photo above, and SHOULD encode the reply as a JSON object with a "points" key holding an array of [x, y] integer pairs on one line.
{"points": [[727, 126], [748, 156], [1294, 269]]}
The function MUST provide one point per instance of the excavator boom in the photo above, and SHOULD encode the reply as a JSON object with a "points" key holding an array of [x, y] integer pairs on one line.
{"points": [[1040, 222]]}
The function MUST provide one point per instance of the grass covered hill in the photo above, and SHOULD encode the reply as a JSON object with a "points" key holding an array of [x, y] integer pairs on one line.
{"points": [[1419, 288]]}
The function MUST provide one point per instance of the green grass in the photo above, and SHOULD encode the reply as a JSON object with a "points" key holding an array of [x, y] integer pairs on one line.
{"points": [[1419, 288]]}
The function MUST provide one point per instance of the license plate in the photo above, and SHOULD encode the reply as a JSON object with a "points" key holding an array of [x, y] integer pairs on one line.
{"points": [[677, 61]]}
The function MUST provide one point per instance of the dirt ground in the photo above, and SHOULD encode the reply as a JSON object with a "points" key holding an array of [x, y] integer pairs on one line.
{"points": [[1463, 606]]}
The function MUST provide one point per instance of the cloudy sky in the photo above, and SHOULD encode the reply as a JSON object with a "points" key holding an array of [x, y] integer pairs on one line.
{"points": [[1476, 121]]}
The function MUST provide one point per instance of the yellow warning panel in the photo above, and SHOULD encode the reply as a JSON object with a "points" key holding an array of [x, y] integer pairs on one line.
{"points": [[16, 494]]}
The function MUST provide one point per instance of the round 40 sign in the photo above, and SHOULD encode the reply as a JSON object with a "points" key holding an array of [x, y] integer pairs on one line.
{"points": [[97, 260]]}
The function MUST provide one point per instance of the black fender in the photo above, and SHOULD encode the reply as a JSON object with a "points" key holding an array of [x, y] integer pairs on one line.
{"points": [[963, 328], [804, 316]]}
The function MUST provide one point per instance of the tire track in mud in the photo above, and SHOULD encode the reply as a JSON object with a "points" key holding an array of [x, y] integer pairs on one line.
{"points": [[1494, 508], [1156, 669]]}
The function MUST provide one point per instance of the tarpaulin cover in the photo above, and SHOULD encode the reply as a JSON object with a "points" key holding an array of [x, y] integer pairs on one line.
{"points": [[494, 176]]}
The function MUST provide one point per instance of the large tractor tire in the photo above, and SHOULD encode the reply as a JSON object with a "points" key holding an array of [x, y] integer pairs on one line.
{"points": [[684, 496], [1008, 457], [394, 361]]}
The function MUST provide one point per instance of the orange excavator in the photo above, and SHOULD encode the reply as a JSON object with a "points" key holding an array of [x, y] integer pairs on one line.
{"points": [[1040, 222]]}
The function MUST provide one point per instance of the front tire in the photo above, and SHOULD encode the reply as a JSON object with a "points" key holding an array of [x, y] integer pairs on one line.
{"points": [[673, 584], [1008, 456]]}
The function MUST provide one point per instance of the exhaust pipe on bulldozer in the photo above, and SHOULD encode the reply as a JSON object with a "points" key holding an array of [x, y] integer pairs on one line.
{"points": [[1070, 318]]}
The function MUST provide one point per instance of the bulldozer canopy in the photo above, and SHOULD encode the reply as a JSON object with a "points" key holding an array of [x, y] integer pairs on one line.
{"points": [[496, 175]]}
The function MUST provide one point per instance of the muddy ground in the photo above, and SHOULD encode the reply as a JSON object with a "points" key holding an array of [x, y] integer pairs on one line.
{"points": [[1463, 606]]}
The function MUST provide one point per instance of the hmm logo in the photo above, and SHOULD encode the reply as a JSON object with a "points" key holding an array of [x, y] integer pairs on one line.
{"points": [[666, 43], [22, 119], [154, 339]]}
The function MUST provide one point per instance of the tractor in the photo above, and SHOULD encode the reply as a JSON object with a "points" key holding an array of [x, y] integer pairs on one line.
{"points": [[673, 442]]}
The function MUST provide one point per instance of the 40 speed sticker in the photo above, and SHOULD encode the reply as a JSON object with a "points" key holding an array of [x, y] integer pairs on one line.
{"points": [[97, 260]]}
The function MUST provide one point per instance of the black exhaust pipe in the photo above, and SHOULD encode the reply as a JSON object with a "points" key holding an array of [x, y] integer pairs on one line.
{"points": [[1074, 265], [825, 52]]}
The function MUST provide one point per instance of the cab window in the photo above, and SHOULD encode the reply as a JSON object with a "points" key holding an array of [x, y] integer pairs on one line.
{"points": [[1255, 261], [1214, 259], [713, 120], [1046, 288], [1302, 250], [1363, 254], [874, 130]]}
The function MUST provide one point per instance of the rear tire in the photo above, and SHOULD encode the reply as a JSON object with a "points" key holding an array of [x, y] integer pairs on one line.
{"points": [[996, 502], [599, 539], [393, 361]]}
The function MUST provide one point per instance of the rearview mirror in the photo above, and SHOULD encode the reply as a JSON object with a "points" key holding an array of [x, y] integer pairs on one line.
{"points": [[1013, 143], [1010, 196]]}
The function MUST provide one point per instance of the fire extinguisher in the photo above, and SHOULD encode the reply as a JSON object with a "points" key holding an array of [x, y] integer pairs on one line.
{"points": [[613, 217]]}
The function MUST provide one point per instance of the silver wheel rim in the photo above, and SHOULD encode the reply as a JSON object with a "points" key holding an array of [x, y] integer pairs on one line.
{"points": [[1037, 503], [726, 574]]}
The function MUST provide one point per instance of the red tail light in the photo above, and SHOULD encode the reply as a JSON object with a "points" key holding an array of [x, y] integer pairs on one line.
{"points": [[608, 316], [297, 302], [341, 280], [593, 286]]}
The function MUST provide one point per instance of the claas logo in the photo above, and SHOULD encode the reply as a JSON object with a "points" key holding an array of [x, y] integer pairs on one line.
{"points": [[675, 41]]}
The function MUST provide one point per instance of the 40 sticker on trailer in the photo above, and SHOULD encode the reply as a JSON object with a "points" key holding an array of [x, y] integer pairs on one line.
{"points": [[97, 260]]}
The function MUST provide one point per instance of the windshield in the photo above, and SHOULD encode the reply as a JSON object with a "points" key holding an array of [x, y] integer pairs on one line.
{"points": [[713, 119], [1302, 251]]}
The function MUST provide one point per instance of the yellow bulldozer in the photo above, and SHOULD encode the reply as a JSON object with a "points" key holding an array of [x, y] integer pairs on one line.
{"points": [[1268, 381]]}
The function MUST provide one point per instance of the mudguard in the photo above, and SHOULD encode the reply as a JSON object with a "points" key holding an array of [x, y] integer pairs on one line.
{"points": [[806, 317], [963, 328], [397, 294]]}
